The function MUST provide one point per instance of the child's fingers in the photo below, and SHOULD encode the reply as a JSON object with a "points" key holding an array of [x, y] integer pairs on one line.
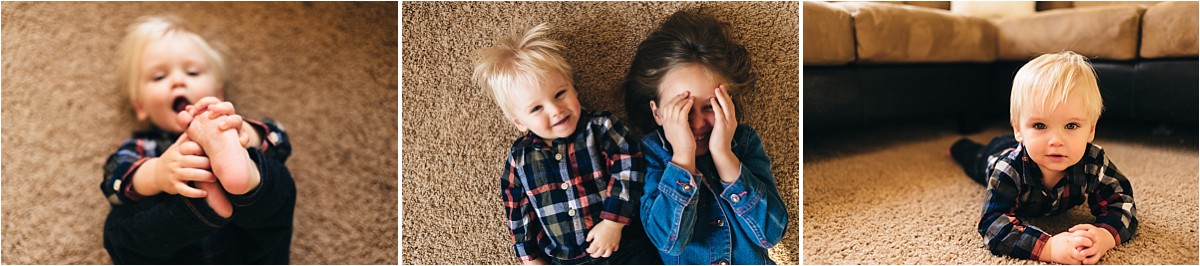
{"points": [[194, 162], [719, 110], [187, 191], [183, 118], [221, 108], [607, 253], [727, 105], [190, 148], [1083, 227], [232, 122], [195, 174]]}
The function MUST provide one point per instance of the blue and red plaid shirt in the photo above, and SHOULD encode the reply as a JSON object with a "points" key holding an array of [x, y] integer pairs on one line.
{"points": [[117, 184], [1015, 190], [554, 193]]}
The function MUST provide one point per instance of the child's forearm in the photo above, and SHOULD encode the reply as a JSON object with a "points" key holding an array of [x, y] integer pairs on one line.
{"points": [[143, 179], [728, 166]]}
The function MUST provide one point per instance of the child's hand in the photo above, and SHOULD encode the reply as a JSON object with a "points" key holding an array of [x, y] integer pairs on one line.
{"points": [[1063, 248], [673, 116], [216, 110], [605, 238], [182, 162], [1102, 239], [721, 138]]}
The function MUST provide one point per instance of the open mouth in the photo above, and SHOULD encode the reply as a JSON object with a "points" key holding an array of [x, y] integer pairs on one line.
{"points": [[180, 104]]}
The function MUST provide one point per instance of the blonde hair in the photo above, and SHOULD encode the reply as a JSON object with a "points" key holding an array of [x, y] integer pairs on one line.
{"points": [[153, 28], [518, 61], [1049, 79]]}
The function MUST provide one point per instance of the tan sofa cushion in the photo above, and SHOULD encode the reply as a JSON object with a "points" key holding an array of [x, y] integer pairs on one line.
{"points": [[828, 34], [890, 33], [1097, 32], [1082, 4], [1169, 30], [943, 5], [992, 10]]}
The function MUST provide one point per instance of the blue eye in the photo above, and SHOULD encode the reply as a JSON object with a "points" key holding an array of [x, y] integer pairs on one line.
{"points": [[535, 109], [1072, 125], [1039, 126]]}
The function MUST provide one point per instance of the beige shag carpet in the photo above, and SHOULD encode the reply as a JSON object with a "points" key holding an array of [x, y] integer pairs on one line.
{"points": [[454, 137], [327, 71], [895, 197]]}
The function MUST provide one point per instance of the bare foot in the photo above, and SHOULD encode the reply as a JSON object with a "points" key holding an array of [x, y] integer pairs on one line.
{"points": [[230, 162], [216, 198]]}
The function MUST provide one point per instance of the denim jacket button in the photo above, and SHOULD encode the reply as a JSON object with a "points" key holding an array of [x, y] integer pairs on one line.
{"points": [[687, 187], [720, 222], [735, 198], [720, 262]]}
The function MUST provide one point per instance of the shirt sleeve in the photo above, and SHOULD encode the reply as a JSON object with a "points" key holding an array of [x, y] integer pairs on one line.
{"points": [[669, 205], [754, 196], [626, 169], [1004, 233], [275, 142], [520, 214], [117, 184], [1111, 199]]}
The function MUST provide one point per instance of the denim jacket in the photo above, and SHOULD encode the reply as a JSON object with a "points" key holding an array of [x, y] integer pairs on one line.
{"points": [[697, 219]]}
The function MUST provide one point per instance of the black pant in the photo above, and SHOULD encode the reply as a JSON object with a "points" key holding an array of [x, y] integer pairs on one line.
{"points": [[171, 229], [635, 249], [973, 156]]}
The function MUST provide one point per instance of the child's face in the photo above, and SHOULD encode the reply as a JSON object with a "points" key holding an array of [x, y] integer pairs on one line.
{"points": [[173, 73], [1056, 139], [700, 82], [551, 110]]}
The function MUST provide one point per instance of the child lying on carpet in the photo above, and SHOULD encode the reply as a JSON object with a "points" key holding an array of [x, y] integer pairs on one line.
{"points": [[201, 185], [1048, 166], [710, 195], [571, 182]]}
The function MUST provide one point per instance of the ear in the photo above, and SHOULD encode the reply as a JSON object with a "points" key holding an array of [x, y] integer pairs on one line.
{"points": [[654, 113], [1016, 132], [1092, 133], [140, 111], [518, 124]]}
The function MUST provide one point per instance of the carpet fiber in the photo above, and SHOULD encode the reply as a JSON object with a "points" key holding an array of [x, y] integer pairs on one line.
{"points": [[455, 138], [326, 71], [904, 201]]}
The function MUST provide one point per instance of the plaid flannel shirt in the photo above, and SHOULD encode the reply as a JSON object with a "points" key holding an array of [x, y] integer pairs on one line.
{"points": [[1015, 190], [553, 194], [117, 184]]}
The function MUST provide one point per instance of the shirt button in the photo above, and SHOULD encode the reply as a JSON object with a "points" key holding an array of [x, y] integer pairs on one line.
{"points": [[571, 212], [558, 156], [117, 185], [735, 198], [720, 262], [565, 185], [273, 137]]}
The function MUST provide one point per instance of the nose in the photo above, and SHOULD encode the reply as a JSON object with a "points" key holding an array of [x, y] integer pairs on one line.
{"points": [[554, 109], [177, 79], [1055, 139], [696, 119]]}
